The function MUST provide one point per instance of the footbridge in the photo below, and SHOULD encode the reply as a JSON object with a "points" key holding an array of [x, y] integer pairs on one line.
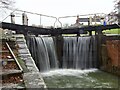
{"points": [[55, 31], [24, 28]]}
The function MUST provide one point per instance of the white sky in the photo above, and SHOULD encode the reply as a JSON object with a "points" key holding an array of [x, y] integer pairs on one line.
{"points": [[60, 8], [66, 7]]}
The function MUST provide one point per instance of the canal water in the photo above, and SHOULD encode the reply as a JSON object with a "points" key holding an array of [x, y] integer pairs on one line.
{"points": [[74, 70], [70, 78]]}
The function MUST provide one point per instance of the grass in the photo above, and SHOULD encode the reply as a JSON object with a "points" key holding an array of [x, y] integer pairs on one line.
{"points": [[112, 31], [22, 63]]}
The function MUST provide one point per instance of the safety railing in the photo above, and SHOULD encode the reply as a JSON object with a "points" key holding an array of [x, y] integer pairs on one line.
{"points": [[84, 15], [55, 19], [20, 12]]}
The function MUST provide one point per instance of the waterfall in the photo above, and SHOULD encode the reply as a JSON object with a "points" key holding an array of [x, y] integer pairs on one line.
{"points": [[43, 52], [78, 52], [51, 52], [69, 52]]}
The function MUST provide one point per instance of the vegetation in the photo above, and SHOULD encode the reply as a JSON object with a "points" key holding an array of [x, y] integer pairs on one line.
{"points": [[22, 63], [6, 3], [112, 31]]}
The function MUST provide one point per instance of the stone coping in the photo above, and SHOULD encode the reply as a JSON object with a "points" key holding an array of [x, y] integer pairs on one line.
{"points": [[32, 78]]}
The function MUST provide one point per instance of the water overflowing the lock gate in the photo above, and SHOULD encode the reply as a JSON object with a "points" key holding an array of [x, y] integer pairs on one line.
{"points": [[43, 52], [78, 52], [77, 69]]}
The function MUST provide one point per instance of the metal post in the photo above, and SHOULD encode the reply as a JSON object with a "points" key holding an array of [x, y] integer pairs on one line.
{"points": [[12, 18], [24, 19], [40, 20], [95, 19], [90, 33], [90, 20]]}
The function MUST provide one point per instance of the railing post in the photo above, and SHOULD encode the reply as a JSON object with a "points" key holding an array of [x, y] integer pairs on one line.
{"points": [[12, 18], [40, 19], [99, 36]]}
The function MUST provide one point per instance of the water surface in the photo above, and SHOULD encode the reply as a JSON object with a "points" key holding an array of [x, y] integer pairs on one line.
{"points": [[70, 78]]}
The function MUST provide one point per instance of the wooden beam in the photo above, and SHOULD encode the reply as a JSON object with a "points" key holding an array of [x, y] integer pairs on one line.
{"points": [[55, 31]]}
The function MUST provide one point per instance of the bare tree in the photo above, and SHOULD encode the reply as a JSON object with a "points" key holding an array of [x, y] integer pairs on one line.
{"points": [[117, 7], [6, 4], [114, 16]]}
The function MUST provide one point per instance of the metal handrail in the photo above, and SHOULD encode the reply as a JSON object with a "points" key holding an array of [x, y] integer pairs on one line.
{"points": [[8, 15], [76, 16], [31, 13], [14, 56], [56, 19], [39, 15]]}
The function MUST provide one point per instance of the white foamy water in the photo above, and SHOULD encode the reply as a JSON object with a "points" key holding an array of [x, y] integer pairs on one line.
{"points": [[72, 78], [67, 72]]}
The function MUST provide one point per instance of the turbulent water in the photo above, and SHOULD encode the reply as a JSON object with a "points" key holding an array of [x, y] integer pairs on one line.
{"points": [[71, 78], [43, 52], [79, 56], [79, 52]]}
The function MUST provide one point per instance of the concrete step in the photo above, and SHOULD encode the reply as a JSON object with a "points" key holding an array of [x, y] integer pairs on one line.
{"points": [[34, 80], [20, 40], [25, 55], [22, 45], [23, 51], [9, 60], [11, 86], [8, 72], [19, 36], [4, 51]]}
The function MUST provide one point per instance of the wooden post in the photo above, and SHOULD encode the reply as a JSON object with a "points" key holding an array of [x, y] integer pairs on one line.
{"points": [[90, 33], [59, 48], [99, 48]]}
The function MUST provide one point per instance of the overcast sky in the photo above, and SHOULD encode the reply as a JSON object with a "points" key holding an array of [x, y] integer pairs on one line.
{"points": [[66, 7], [60, 8]]}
